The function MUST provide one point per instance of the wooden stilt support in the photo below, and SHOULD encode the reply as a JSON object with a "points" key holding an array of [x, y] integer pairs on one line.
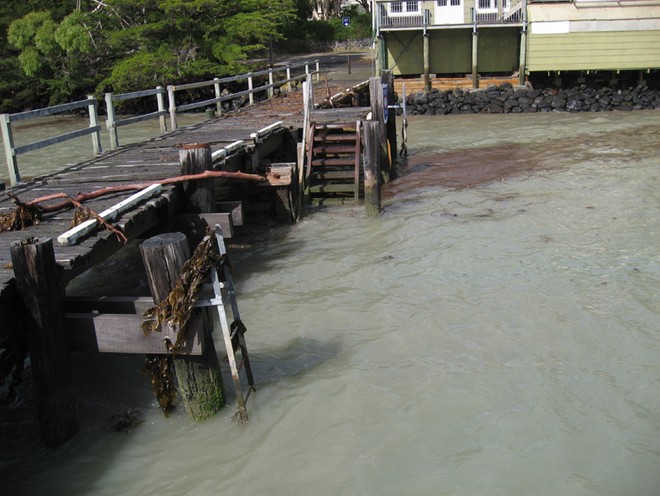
{"points": [[372, 159], [196, 158], [427, 62], [475, 57], [38, 282], [199, 378]]}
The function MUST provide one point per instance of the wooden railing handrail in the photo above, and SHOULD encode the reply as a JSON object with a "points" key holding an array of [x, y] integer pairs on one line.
{"points": [[6, 120]]}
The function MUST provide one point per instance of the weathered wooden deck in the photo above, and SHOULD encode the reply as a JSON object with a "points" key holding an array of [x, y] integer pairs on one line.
{"points": [[153, 160]]}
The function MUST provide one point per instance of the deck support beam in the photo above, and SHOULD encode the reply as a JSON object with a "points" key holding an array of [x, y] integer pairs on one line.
{"points": [[39, 285]]}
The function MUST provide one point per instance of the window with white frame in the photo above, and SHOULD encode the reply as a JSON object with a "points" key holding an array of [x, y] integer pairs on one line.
{"points": [[412, 7], [403, 8]]}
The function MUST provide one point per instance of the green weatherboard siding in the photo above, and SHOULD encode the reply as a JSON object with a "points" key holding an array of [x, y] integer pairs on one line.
{"points": [[405, 51], [499, 50], [601, 50], [451, 51]]}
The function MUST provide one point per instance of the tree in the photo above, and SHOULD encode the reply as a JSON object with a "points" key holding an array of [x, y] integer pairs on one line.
{"points": [[63, 54]]}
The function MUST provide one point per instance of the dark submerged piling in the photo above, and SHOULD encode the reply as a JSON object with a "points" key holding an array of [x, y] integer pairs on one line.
{"points": [[39, 285]]}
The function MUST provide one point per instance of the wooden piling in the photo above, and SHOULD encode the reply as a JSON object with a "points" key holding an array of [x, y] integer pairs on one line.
{"points": [[426, 62], [38, 282], [388, 80], [198, 377], [371, 162], [475, 57], [196, 158]]}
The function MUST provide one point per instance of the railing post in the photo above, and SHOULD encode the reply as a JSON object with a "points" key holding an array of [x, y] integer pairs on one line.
{"points": [[218, 104], [306, 69], [94, 122], [172, 107], [271, 91], [110, 122], [250, 94], [318, 71], [161, 108], [8, 141], [288, 77]]}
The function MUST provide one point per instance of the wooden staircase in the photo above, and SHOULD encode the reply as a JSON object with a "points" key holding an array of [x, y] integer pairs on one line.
{"points": [[333, 171]]}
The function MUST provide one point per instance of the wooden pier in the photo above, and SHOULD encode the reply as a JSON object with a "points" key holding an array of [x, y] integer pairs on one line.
{"points": [[261, 151]]}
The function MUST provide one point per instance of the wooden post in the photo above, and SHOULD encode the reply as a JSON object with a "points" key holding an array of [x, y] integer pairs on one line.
{"points": [[200, 196], [198, 377], [250, 88], [475, 53], [218, 94], [160, 100], [271, 91], [388, 79], [376, 98], [8, 141], [94, 122], [110, 121], [172, 107], [39, 284], [523, 55], [371, 161], [427, 62], [349, 63]]}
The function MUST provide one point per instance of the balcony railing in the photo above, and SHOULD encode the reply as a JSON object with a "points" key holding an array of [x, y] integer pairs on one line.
{"points": [[389, 19]]}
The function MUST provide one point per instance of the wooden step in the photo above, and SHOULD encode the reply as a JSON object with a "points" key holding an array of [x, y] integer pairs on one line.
{"points": [[334, 150], [335, 137], [332, 175], [337, 125], [324, 162], [332, 188]]}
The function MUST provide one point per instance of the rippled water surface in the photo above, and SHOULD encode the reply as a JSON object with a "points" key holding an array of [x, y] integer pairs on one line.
{"points": [[497, 339]]}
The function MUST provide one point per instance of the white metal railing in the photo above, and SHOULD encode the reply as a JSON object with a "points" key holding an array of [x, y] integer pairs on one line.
{"points": [[12, 151], [311, 68], [388, 19]]}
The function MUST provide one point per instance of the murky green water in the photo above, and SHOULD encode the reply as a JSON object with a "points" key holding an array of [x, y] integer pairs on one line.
{"points": [[502, 339]]}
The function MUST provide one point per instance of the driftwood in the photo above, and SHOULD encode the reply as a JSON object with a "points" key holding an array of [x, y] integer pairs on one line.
{"points": [[81, 197], [29, 213], [347, 98]]}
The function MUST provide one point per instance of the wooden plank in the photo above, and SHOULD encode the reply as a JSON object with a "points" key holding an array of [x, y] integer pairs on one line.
{"points": [[70, 237], [122, 333], [109, 304]]}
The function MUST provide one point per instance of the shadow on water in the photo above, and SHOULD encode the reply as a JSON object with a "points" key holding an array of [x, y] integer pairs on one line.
{"points": [[472, 167], [292, 359]]}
